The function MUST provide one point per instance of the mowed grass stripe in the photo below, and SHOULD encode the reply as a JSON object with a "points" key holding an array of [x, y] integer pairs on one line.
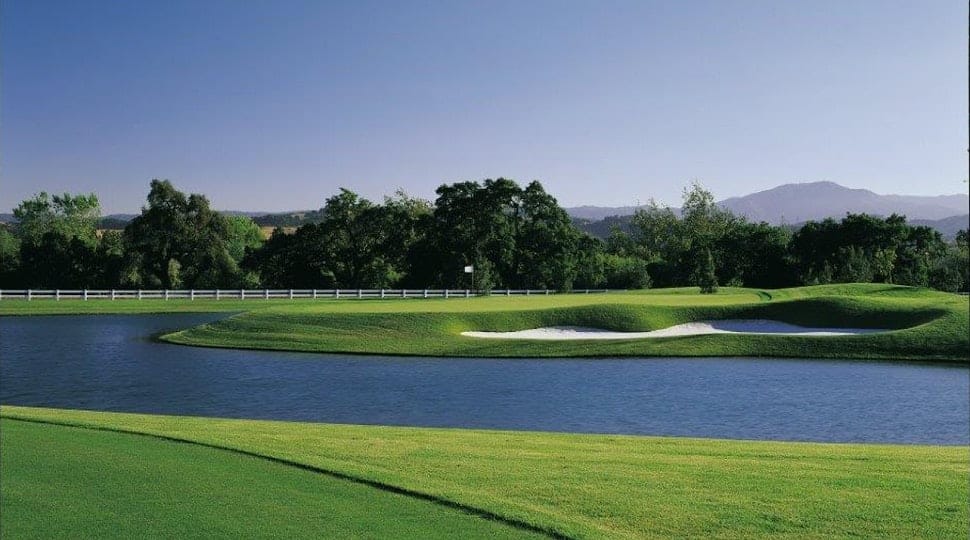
{"points": [[597, 486], [69, 482]]}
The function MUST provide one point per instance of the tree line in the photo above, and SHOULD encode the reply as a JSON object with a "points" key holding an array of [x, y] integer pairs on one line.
{"points": [[514, 237]]}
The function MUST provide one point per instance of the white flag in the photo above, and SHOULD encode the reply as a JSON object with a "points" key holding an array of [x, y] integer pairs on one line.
{"points": [[469, 269]]}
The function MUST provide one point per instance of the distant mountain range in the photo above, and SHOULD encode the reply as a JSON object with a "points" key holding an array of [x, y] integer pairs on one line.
{"points": [[601, 228], [797, 203], [948, 227]]}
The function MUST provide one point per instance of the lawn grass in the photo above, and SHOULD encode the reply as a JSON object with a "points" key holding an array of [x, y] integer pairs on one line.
{"points": [[591, 486], [927, 325], [66, 482]]}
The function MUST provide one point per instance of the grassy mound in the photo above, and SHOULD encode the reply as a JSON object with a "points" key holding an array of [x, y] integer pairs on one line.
{"points": [[926, 325], [66, 482], [574, 485]]}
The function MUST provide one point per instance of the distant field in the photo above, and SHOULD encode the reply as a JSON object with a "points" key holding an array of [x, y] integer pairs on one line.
{"points": [[267, 230], [927, 325], [75, 481]]}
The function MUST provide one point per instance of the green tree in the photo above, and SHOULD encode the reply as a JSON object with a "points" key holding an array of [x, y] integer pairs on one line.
{"points": [[9, 259], [58, 240], [242, 234], [950, 272], [70, 216], [178, 241], [110, 255], [284, 260], [755, 255], [474, 224], [546, 242], [705, 275], [658, 234], [590, 263], [514, 237], [625, 272]]}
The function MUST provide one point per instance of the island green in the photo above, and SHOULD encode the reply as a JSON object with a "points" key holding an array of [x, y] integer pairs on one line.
{"points": [[920, 324]]}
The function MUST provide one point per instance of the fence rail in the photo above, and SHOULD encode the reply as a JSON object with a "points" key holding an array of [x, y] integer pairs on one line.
{"points": [[266, 294]]}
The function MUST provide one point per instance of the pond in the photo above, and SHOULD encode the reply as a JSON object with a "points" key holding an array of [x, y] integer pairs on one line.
{"points": [[111, 363]]}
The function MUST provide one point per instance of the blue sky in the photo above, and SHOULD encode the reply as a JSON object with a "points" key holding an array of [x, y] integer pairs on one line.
{"points": [[273, 105]]}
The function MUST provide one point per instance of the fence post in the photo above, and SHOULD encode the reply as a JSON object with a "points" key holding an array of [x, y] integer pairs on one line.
{"points": [[28, 295], [508, 292], [382, 293], [528, 292], [467, 293], [191, 294], [242, 294], [265, 294], [57, 294], [291, 294], [1, 294], [547, 292], [139, 294], [360, 293], [85, 294], [166, 295], [336, 293], [425, 293], [314, 294], [217, 294], [446, 293], [587, 291], [404, 293]]}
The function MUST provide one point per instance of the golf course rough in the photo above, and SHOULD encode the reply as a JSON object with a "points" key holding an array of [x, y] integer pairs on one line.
{"points": [[921, 324], [61, 478]]}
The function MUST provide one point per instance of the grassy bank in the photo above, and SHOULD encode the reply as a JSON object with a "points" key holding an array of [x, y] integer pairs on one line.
{"points": [[926, 325], [574, 485]]}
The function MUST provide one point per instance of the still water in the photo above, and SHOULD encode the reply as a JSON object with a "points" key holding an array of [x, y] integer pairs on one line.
{"points": [[109, 362]]}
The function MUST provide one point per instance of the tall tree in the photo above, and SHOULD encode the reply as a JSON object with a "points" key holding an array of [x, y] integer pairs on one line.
{"points": [[475, 224], [9, 259], [242, 233], [178, 241], [70, 216], [705, 275], [58, 240], [546, 243]]}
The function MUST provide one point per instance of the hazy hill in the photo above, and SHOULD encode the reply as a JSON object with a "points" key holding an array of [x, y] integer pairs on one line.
{"points": [[795, 203], [601, 228], [948, 227]]}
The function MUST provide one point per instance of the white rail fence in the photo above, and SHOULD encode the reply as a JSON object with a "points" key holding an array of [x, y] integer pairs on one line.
{"points": [[267, 294]]}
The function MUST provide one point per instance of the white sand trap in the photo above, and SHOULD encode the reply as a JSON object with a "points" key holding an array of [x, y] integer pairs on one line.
{"points": [[688, 329]]}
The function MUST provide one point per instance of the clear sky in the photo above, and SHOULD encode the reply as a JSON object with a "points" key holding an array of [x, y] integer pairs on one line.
{"points": [[274, 104]]}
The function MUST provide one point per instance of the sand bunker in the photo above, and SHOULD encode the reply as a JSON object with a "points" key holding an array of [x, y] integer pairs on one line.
{"points": [[688, 329]]}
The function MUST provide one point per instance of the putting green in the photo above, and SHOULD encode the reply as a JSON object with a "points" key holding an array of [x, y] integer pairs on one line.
{"points": [[921, 324], [925, 325]]}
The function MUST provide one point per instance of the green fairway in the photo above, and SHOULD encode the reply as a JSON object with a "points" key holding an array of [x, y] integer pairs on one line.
{"points": [[576, 485], [927, 325], [66, 482], [924, 324]]}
